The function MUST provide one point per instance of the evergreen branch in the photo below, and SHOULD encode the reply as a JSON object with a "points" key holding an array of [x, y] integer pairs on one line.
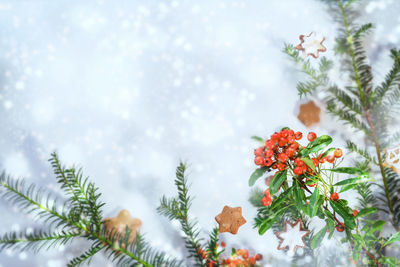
{"points": [[85, 257], [256, 196], [35, 240], [362, 152], [392, 79], [345, 99], [213, 245], [178, 208], [348, 117]]}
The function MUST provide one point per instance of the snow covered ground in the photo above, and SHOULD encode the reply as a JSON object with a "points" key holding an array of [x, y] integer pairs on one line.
{"points": [[126, 89]]}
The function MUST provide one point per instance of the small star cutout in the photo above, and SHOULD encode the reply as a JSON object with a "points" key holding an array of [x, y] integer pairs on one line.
{"points": [[309, 113], [117, 225], [311, 44], [292, 236], [230, 219], [393, 158]]}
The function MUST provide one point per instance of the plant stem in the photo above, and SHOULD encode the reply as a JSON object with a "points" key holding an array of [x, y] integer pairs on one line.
{"points": [[366, 113], [382, 169]]}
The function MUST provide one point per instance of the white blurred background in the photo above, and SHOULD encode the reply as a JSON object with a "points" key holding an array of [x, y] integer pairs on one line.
{"points": [[126, 89]]}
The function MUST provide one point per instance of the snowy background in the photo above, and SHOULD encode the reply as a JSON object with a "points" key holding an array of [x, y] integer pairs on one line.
{"points": [[126, 89]]}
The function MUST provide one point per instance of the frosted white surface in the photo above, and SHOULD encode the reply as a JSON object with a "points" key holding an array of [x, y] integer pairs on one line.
{"points": [[128, 88]]}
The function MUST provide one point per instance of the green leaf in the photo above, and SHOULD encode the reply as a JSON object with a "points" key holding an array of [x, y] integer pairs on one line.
{"points": [[314, 202], [267, 224], [258, 139], [328, 151], [282, 197], [393, 238], [257, 174], [345, 212], [348, 170], [389, 261], [377, 226], [309, 163], [355, 180], [298, 195], [366, 211], [347, 187], [317, 239], [317, 145], [330, 224], [276, 182]]}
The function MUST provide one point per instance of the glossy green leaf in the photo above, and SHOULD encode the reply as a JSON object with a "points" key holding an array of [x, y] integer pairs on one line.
{"points": [[377, 226], [355, 180], [282, 197], [366, 211], [267, 224], [257, 174], [317, 238], [298, 195], [309, 163], [276, 182], [347, 187], [317, 145], [393, 238], [348, 170], [314, 202], [328, 151], [345, 212]]}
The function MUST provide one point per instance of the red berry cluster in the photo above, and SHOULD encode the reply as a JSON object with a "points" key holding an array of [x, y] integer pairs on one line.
{"points": [[278, 149], [282, 148], [241, 258]]}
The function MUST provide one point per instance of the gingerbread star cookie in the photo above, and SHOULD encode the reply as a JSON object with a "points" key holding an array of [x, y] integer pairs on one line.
{"points": [[230, 219], [117, 226], [309, 113], [292, 236], [311, 44]]}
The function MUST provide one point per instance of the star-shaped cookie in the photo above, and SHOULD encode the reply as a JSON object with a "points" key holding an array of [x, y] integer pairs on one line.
{"points": [[292, 236], [309, 113], [230, 219], [311, 44], [117, 226]]}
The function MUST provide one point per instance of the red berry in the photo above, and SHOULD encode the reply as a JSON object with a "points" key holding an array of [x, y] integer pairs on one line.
{"points": [[295, 146], [284, 133], [324, 159], [290, 139], [330, 158], [290, 132], [315, 162], [245, 254], [338, 153], [290, 152], [275, 137], [223, 244], [299, 162], [266, 201], [258, 151], [281, 166], [266, 193], [283, 157], [311, 136], [268, 162], [340, 227], [298, 170], [298, 135], [259, 161], [355, 212], [270, 145], [269, 153], [274, 166], [259, 257], [252, 261], [335, 196], [282, 142]]}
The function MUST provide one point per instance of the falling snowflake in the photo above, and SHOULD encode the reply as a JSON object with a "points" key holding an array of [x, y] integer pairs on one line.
{"points": [[292, 236], [311, 44]]}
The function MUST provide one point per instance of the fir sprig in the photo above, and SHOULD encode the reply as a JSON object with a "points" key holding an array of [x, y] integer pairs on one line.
{"points": [[177, 208], [80, 216]]}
